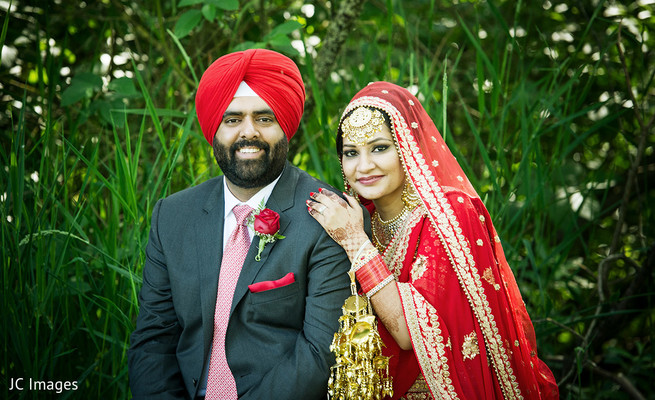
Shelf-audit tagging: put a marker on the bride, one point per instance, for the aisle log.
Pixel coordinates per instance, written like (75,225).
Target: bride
(452,317)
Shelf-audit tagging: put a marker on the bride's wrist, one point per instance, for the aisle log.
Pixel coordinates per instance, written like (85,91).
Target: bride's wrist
(361,249)
(369,268)
(356,246)
(364,254)
(372,273)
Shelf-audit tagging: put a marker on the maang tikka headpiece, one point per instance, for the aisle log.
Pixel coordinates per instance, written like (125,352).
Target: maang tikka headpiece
(363,123)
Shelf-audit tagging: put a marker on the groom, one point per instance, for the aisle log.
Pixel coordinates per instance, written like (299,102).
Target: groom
(236,301)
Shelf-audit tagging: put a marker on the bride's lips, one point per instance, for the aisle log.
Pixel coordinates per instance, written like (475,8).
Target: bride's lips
(369,180)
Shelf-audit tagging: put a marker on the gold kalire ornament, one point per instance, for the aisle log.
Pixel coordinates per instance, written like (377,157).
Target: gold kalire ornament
(361,371)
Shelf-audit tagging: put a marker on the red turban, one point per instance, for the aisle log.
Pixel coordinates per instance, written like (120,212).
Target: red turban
(273,76)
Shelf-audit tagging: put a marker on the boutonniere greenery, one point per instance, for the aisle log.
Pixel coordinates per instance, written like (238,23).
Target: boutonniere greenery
(266,224)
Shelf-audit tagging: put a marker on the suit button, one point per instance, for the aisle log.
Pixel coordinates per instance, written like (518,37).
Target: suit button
(195,381)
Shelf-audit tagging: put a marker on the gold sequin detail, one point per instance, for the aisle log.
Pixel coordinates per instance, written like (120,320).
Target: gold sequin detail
(419,385)
(417,396)
(488,276)
(470,347)
(419,267)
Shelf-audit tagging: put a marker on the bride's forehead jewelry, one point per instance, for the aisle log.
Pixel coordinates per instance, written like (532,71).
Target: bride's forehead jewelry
(361,125)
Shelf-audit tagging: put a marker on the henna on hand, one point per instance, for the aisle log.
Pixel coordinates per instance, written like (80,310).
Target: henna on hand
(344,224)
(333,196)
(339,234)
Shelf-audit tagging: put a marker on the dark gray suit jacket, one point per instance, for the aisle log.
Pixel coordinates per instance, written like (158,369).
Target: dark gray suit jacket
(277,342)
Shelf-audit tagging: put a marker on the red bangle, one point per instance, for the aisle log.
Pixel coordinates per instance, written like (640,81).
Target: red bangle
(372,273)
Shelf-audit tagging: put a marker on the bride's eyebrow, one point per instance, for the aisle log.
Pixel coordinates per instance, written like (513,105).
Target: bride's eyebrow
(372,141)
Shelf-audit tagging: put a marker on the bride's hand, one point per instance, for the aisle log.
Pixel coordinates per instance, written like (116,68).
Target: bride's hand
(343,221)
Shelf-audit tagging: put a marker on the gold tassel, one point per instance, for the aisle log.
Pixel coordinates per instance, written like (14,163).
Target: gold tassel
(361,371)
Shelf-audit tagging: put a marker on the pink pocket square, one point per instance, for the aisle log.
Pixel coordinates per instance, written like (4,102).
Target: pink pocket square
(268,285)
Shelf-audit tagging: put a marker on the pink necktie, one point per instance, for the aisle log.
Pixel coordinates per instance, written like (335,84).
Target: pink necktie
(220,381)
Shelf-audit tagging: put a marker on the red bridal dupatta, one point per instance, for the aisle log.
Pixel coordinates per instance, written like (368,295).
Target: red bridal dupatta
(471,334)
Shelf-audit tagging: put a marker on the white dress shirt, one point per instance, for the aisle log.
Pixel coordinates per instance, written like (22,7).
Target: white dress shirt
(230,221)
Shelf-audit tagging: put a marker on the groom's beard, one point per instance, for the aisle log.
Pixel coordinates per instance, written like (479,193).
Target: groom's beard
(254,173)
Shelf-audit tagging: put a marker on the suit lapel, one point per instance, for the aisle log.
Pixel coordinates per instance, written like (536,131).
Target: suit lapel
(210,252)
(280,201)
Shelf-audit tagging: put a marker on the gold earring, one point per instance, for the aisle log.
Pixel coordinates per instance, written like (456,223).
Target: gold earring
(409,196)
(347,187)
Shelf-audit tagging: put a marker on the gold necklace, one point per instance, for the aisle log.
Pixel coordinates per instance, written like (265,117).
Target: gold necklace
(388,228)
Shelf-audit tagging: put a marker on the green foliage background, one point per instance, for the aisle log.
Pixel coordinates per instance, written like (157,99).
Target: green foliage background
(548,106)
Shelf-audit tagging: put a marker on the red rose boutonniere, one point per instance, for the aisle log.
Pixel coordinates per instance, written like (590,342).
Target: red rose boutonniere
(266,224)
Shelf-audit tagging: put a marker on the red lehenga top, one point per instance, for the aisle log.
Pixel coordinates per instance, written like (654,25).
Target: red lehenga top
(472,337)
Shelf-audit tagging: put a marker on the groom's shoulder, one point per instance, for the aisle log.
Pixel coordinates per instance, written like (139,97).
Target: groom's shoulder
(195,194)
(305,181)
